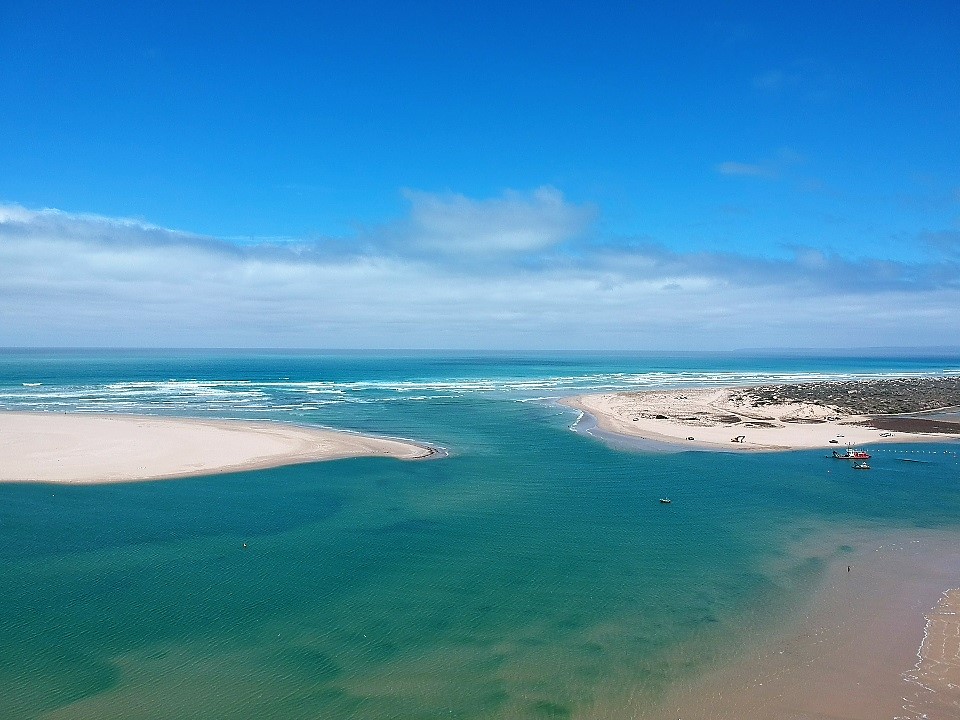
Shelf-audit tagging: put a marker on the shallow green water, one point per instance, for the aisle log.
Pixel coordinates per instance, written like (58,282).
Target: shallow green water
(531,574)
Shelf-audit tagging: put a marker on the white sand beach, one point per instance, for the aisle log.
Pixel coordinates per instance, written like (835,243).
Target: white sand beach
(726,419)
(86,449)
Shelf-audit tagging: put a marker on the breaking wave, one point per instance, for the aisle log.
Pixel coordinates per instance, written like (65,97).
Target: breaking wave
(241,396)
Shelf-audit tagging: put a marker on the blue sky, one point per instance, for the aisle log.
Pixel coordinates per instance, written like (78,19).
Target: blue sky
(516,175)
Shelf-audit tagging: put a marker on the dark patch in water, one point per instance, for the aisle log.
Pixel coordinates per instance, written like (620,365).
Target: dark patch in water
(593,649)
(96,517)
(544,708)
(314,664)
(491,663)
(570,622)
(494,699)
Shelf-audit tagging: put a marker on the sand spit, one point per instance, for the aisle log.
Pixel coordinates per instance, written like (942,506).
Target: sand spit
(781,417)
(86,449)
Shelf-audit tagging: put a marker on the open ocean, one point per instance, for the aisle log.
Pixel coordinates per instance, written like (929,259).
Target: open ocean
(530,574)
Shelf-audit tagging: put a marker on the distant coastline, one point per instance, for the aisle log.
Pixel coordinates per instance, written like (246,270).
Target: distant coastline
(782,417)
(76,448)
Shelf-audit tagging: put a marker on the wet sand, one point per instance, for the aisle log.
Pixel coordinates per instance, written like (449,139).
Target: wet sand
(87,449)
(852,652)
(936,676)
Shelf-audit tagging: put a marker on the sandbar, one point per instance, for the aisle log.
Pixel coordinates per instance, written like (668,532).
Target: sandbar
(76,448)
(787,417)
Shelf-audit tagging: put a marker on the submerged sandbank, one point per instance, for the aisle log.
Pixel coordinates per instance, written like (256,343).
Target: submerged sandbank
(785,417)
(87,449)
(851,651)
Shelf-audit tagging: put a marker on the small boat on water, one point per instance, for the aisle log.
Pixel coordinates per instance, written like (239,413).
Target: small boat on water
(851,454)
(861,466)
(665,501)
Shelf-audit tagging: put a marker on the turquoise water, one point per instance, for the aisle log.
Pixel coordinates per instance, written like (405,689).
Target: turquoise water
(530,574)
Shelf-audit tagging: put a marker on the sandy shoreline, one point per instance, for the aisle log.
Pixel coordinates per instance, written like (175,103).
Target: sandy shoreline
(852,652)
(88,449)
(936,676)
(737,419)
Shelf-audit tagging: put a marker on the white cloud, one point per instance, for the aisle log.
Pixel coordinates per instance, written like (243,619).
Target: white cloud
(81,280)
(515,223)
(771,168)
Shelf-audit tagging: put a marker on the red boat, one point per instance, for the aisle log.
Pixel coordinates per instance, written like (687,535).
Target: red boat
(851,454)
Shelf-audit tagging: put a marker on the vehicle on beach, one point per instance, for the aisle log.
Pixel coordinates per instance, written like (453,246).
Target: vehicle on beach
(861,466)
(852,454)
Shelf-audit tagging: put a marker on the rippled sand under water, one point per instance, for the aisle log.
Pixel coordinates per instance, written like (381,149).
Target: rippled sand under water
(846,654)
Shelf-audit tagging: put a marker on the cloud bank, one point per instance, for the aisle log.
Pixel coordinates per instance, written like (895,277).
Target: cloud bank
(520,271)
